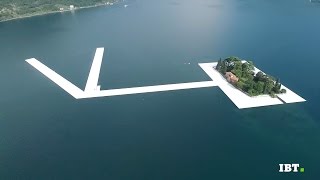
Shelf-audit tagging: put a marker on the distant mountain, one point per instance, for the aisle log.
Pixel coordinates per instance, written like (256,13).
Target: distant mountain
(11,9)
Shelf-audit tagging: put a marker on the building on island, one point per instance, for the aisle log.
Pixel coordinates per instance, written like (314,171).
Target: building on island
(71,7)
(231,77)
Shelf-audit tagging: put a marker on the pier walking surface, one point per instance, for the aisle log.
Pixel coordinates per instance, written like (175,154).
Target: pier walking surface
(92,89)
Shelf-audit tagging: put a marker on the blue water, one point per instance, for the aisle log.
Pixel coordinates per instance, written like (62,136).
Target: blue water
(188,134)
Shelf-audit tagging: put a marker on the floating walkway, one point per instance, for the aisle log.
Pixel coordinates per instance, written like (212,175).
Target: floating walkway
(56,78)
(93,78)
(92,89)
(149,89)
(240,99)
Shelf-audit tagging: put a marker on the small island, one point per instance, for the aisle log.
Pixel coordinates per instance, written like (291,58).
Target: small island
(242,75)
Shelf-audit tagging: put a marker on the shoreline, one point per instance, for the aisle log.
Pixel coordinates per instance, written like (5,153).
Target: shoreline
(54,12)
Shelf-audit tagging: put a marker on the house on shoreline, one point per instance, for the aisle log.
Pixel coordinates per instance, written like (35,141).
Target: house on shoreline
(231,78)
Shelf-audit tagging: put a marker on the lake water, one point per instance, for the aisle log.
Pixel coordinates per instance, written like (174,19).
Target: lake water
(188,134)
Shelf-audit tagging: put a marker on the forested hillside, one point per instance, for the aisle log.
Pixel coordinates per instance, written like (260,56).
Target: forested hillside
(19,8)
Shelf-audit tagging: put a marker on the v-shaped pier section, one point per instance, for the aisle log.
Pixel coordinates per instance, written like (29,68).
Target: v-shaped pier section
(92,88)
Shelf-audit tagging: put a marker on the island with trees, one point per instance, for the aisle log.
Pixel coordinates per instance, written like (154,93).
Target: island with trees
(242,75)
(13,9)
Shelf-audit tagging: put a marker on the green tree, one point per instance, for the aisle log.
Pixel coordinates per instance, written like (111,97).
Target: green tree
(240,85)
(252,92)
(246,69)
(237,72)
(276,90)
(268,86)
(277,85)
(218,67)
(237,69)
(259,87)
(223,69)
(248,85)
(283,91)
(259,76)
(272,94)
(250,65)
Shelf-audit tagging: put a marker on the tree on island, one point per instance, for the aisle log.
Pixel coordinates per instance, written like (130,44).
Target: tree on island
(283,91)
(249,82)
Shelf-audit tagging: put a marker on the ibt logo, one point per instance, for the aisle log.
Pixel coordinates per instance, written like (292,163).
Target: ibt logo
(290,168)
